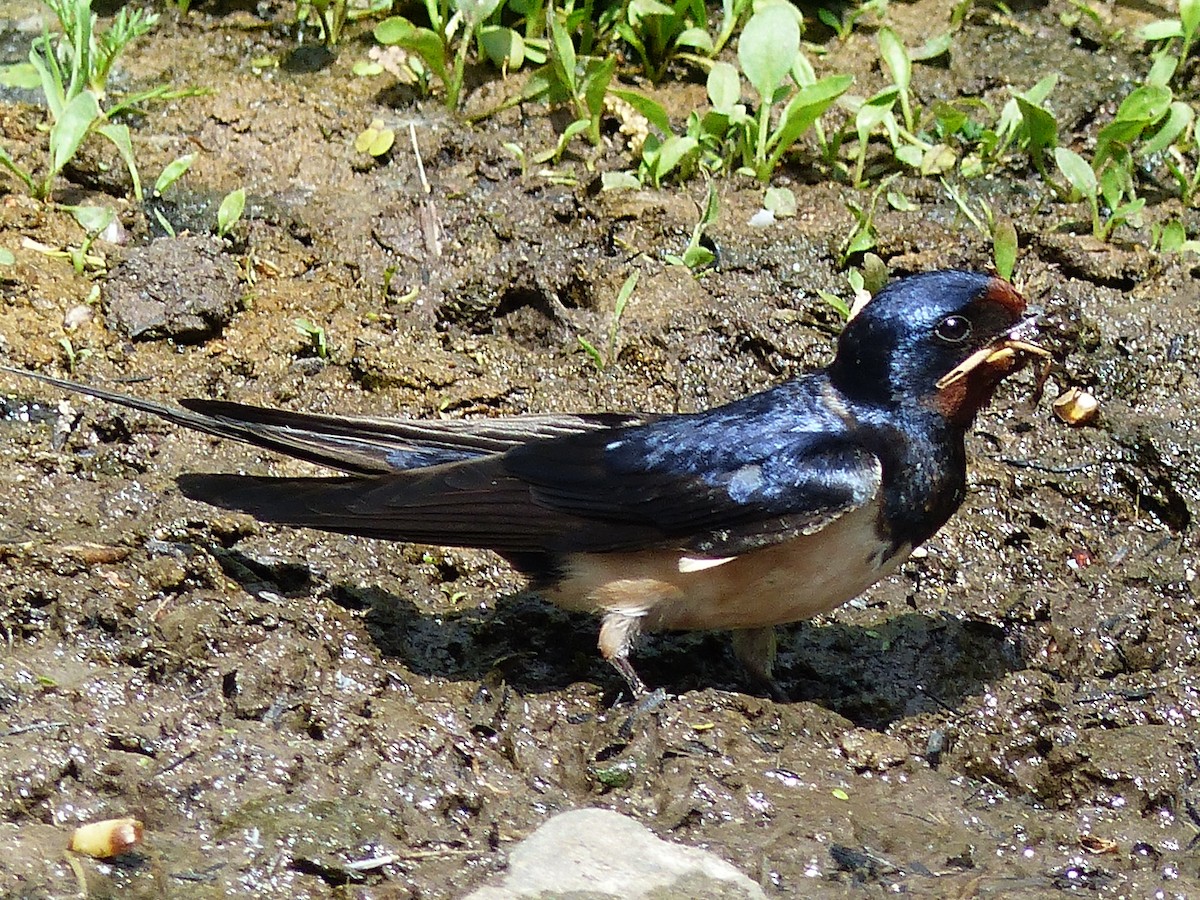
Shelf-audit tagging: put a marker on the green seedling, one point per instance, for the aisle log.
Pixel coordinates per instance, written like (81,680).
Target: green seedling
(1026,122)
(1175,37)
(659,31)
(728,136)
(443,47)
(769,55)
(578,82)
(843,27)
(1171,237)
(230,211)
(376,139)
(172,172)
(318,341)
(895,56)
(331,16)
(71,356)
(1004,248)
(863,236)
(696,256)
(733,13)
(603,361)
(73,68)
(860,292)
(1110,186)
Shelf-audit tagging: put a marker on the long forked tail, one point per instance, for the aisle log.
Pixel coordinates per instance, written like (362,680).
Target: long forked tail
(353,444)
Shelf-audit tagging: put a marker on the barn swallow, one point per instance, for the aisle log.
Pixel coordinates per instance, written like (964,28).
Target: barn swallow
(767,510)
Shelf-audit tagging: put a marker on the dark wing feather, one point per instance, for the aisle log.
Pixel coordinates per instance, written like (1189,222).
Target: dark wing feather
(718,484)
(358,445)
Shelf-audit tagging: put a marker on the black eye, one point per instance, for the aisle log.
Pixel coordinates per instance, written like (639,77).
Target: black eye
(954,329)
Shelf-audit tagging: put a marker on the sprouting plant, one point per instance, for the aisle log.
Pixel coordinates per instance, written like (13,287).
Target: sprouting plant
(331,17)
(1171,237)
(696,256)
(895,56)
(443,47)
(73,67)
(657,31)
(1026,122)
(873,269)
(375,140)
(318,341)
(603,361)
(863,236)
(1175,37)
(1113,189)
(733,12)
(769,53)
(72,356)
(580,82)
(843,26)
(1004,248)
(230,211)
(172,172)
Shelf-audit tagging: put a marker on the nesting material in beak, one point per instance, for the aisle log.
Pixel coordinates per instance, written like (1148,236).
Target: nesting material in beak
(1008,353)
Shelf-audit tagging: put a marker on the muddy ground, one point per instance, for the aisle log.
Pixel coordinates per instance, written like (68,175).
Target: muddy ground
(1016,714)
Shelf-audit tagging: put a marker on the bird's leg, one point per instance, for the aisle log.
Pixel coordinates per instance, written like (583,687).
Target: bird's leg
(755,649)
(618,634)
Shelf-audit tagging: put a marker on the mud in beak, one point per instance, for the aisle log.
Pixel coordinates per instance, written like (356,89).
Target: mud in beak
(1004,356)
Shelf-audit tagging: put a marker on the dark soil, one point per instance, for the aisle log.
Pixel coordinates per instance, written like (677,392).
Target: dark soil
(1016,714)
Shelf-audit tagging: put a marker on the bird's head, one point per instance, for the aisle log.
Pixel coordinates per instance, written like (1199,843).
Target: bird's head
(943,339)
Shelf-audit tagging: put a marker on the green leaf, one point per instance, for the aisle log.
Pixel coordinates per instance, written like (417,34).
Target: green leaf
(476,11)
(119,135)
(874,111)
(1004,248)
(1189,15)
(674,150)
(595,85)
(1173,236)
(20,75)
(72,127)
(563,53)
(1162,30)
(806,106)
(724,87)
(93,219)
(503,46)
(173,172)
(768,47)
(1077,171)
(1179,117)
(896,57)
(645,9)
(619,181)
(648,107)
(1162,70)
(393,30)
(6,257)
(1041,129)
(932,48)
(696,38)
(1145,104)
(230,210)
(400,32)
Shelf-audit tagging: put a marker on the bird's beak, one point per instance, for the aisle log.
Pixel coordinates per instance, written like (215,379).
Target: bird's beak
(1005,355)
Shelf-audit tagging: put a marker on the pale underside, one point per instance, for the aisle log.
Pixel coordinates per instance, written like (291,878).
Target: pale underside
(787,582)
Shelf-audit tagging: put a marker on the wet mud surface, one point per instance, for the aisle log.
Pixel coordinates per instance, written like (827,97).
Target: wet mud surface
(1016,713)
